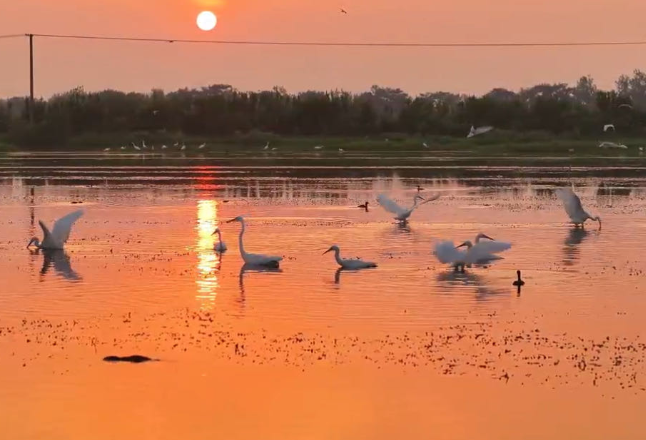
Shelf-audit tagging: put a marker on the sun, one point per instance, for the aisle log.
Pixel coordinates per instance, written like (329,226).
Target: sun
(206,20)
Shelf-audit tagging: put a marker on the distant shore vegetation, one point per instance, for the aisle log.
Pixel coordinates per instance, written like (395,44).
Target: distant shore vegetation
(539,113)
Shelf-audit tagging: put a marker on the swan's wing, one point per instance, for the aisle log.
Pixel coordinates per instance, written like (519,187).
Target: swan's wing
(63,226)
(571,202)
(430,199)
(446,252)
(493,246)
(389,205)
(46,232)
(481,130)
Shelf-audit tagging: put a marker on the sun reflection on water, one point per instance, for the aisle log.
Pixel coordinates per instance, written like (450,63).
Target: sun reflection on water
(208,261)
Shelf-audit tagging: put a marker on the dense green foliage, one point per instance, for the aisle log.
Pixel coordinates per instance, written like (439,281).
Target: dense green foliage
(221,110)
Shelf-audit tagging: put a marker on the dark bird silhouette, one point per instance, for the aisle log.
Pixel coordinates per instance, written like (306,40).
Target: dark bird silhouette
(419,188)
(364,206)
(519,282)
(343,11)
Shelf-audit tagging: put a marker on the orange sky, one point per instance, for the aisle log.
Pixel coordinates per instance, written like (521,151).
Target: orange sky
(63,64)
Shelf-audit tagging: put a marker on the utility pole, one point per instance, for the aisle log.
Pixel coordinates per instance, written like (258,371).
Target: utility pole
(31,78)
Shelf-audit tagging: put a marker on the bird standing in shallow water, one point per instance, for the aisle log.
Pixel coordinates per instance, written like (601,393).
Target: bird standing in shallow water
(574,208)
(254,259)
(220,246)
(364,206)
(347,263)
(58,236)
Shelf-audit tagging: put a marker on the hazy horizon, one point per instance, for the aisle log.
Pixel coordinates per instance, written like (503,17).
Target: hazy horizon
(61,65)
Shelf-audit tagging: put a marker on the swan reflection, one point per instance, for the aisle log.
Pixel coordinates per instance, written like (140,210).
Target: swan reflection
(571,248)
(61,263)
(450,279)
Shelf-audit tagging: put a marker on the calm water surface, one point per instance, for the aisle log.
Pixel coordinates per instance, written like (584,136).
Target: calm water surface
(409,348)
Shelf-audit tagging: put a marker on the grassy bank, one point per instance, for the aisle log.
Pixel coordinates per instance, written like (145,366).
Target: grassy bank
(494,144)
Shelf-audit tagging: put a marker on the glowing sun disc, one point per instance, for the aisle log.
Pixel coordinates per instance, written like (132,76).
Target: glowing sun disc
(206,20)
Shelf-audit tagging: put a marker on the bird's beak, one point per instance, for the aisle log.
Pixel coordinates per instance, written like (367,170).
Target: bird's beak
(463,244)
(487,237)
(30,243)
(232,220)
(327,251)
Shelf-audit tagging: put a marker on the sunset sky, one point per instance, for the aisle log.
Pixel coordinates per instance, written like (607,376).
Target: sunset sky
(96,65)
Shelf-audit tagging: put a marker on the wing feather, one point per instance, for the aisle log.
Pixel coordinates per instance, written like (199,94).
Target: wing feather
(389,205)
(63,226)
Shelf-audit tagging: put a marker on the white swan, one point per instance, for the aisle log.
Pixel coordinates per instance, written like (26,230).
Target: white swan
(56,239)
(574,208)
(220,246)
(480,253)
(254,259)
(402,214)
(349,264)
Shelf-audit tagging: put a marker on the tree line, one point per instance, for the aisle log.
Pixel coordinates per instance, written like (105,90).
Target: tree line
(221,110)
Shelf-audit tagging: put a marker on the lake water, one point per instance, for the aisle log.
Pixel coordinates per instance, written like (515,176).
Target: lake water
(409,349)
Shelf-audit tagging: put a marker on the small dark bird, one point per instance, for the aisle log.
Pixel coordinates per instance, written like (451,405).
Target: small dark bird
(343,11)
(364,206)
(519,282)
(419,188)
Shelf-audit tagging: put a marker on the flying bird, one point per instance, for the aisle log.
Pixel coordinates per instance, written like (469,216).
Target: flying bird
(349,263)
(574,208)
(201,146)
(478,131)
(612,145)
(56,239)
(343,11)
(254,259)
(401,213)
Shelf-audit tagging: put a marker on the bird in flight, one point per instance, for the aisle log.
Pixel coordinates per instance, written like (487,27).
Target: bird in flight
(343,11)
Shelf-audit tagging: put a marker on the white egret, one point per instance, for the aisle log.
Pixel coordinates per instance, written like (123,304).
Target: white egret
(106,149)
(266,147)
(491,246)
(612,145)
(254,259)
(341,151)
(176,144)
(447,253)
(201,146)
(477,131)
(220,246)
(319,147)
(274,149)
(574,208)
(123,148)
(402,214)
(425,145)
(143,145)
(164,147)
(183,147)
(609,127)
(349,264)
(56,239)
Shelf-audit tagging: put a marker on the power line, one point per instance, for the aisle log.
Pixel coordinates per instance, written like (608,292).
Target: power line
(2,37)
(337,44)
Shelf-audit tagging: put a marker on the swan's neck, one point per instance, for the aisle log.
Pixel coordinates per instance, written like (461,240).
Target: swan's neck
(337,256)
(241,242)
